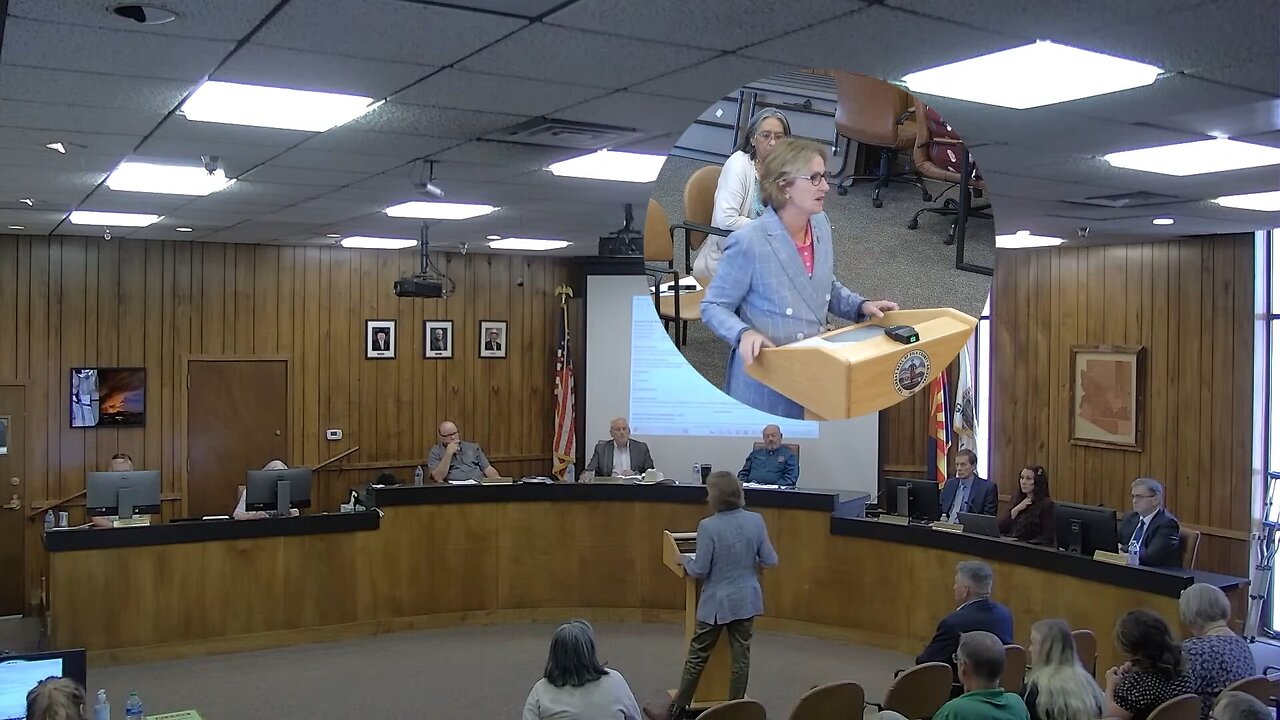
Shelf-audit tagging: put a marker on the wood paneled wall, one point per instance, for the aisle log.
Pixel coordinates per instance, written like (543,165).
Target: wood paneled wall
(72,301)
(904,433)
(1189,302)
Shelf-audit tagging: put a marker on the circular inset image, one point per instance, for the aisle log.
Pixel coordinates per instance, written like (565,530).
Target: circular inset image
(820,221)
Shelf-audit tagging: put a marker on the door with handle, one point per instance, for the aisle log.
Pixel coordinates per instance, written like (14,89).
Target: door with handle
(13,500)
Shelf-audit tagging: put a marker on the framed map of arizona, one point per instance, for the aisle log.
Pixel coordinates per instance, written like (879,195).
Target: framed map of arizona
(1107,384)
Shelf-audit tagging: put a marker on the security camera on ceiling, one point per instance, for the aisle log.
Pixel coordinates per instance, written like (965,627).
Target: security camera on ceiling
(210,163)
(427,186)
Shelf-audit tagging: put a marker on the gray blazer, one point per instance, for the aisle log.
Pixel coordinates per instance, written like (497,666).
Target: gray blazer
(761,284)
(601,462)
(731,546)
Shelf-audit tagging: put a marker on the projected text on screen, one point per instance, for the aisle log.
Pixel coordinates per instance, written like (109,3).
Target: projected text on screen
(669,397)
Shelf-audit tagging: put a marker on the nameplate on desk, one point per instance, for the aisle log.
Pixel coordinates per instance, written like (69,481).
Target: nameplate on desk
(131,522)
(181,715)
(947,527)
(1110,557)
(895,520)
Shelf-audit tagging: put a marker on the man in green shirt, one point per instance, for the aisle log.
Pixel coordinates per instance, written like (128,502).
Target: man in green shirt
(980,663)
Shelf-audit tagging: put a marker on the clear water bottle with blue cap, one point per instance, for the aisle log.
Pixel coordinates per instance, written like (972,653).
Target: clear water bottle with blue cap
(133,708)
(417,475)
(569,474)
(49,521)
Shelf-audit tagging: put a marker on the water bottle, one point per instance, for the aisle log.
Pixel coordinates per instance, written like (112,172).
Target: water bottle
(133,708)
(48,521)
(417,475)
(1133,555)
(568,474)
(697,473)
(102,709)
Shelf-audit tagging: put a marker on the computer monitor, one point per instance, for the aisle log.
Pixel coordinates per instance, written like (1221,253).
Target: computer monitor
(124,494)
(277,490)
(977,524)
(1085,529)
(20,673)
(921,495)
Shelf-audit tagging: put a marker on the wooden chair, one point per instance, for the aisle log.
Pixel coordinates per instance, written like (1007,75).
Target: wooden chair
(918,692)
(1087,649)
(1190,541)
(834,700)
(1257,686)
(678,308)
(735,710)
(1015,668)
(1183,707)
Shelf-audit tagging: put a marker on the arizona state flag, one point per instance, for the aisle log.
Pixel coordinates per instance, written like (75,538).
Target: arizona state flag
(939,429)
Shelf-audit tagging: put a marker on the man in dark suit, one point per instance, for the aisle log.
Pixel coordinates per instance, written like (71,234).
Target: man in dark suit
(1150,529)
(966,492)
(437,340)
(380,341)
(494,343)
(976,611)
(621,455)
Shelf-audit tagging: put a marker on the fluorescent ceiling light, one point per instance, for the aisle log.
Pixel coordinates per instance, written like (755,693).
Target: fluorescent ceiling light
(423,210)
(335,236)
(1196,158)
(377,243)
(261,106)
(527,244)
(167,179)
(1024,239)
(183,229)
(611,165)
(17,227)
(57,146)
(114,219)
(1043,73)
(1262,201)
(493,237)
(1162,221)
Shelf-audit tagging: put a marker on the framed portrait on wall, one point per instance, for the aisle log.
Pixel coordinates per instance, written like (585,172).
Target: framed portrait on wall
(1107,384)
(493,338)
(380,339)
(437,339)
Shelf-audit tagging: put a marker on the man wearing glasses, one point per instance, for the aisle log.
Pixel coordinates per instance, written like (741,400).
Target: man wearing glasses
(1150,532)
(454,460)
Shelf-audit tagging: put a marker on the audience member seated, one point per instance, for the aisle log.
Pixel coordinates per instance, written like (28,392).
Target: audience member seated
(980,663)
(622,456)
(738,200)
(575,685)
(1155,673)
(772,464)
(976,611)
(1058,686)
(1150,528)
(120,462)
(241,514)
(453,459)
(966,492)
(56,699)
(1030,514)
(1216,656)
(1236,705)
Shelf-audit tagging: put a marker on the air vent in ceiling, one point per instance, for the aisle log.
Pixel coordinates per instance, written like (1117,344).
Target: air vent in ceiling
(566,134)
(1126,200)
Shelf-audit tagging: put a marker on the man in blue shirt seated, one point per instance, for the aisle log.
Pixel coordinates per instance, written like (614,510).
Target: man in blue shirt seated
(772,464)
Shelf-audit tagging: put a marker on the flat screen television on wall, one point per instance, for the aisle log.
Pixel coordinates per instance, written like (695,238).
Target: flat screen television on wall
(108,397)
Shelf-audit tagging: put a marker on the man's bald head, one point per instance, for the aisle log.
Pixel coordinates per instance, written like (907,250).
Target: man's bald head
(448,432)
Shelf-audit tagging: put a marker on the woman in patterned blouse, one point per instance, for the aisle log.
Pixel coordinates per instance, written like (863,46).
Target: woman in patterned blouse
(1155,673)
(1216,656)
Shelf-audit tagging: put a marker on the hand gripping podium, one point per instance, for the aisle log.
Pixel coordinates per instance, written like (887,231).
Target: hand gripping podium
(713,685)
(857,370)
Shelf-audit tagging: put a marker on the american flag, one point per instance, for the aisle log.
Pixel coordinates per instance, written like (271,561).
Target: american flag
(939,428)
(563,444)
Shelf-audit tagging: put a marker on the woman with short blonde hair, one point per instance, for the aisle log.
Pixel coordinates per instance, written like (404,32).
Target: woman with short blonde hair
(724,492)
(56,699)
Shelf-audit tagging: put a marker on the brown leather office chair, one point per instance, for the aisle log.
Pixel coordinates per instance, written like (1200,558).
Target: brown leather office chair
(1190,541)
(918,692)
(939,154)
(743,709)
(1257,686)
(1087,649)
(872,112)
(1183,707)
(699,205)
(678,308)
(1015,668)
(833,700)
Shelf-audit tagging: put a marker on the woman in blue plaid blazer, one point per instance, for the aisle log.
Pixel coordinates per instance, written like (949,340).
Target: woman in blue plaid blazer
(776,281)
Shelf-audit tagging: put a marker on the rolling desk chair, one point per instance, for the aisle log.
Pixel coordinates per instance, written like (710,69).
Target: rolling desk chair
(872,112)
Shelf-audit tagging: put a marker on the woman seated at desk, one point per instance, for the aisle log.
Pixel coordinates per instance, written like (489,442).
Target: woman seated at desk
(120,462)
(1030,514)
(242,514)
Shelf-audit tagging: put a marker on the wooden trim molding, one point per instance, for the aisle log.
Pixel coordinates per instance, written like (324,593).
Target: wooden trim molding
(379,464)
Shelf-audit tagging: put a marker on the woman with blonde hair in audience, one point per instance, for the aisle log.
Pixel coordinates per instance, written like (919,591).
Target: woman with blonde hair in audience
(56,699)
(575,685)
(1216,656)
(1059,687)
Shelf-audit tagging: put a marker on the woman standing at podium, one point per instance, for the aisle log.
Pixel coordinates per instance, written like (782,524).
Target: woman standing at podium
(732,546)
(776,282)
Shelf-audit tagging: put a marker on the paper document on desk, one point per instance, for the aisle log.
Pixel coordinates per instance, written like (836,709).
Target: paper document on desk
(760,486)
(464,482)
(181,715)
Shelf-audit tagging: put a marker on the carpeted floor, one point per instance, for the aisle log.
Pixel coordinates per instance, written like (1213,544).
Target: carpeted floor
(876,254)
(478,672)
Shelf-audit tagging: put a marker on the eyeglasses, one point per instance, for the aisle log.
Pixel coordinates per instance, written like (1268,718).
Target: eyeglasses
(1140,496)
(444,435)
(770,137)
(817,178)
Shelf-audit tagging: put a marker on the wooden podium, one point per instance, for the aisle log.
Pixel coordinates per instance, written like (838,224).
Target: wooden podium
(713,685)
(857,370)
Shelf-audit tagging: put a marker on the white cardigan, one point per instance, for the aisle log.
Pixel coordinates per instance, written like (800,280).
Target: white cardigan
(736,192)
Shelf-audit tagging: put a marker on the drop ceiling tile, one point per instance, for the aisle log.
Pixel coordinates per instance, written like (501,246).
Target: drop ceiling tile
(318,212)
(48,116)
(18,161)
(256,64)
(275,174)
(1043,20)
(234,159)
(1168,96)
(90,89)
(523,8)
(1260,72)
(494,93)
(713,79)
(435,122)
(253,195)
(724,25)
(87,49)
(649,113)
(660,145)
(49,186)
(509,155)
(397,31)
(355,140)
(303,157)
(1237,121)
(108,200)
(97,143)
(581,58)
(224,20)
(177,127)
(32,221)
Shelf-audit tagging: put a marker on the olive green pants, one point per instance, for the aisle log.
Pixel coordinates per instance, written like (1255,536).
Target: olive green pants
(703,642)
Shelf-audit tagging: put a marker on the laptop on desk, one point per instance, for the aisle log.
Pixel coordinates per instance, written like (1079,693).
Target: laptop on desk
(977,524)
